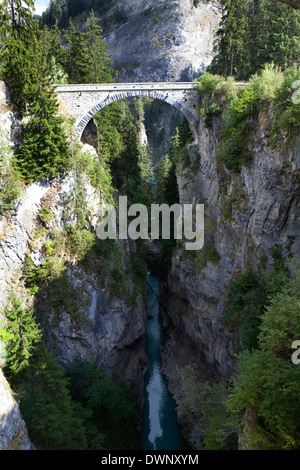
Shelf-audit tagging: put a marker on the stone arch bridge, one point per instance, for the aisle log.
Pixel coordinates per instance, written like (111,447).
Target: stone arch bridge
(84,101)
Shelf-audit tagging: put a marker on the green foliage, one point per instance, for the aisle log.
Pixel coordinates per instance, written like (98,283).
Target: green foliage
(287,111)
(203,411)
(231,37)
(4,333)
(208,84)
(250,294)
(162,175)
(119,147)
(10,179)
(45,152)
(24,335)
(86,59)
(215,92)
(269,386)
(239,107)
(137,272)
(99,60)
(252,34)
(112,405)
(248,297)
(16,15)
(208,253)
(267,383)
(237,128)
(61,10)
(47,407)
(56,287)
(45,214)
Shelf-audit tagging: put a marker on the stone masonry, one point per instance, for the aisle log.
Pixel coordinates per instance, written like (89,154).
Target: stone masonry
(84,101)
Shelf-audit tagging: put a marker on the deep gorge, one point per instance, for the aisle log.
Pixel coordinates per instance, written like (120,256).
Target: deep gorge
(214,326)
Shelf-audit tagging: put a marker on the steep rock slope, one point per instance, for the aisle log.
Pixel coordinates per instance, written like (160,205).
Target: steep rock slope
(107,330)
(13,433)
(265,210)
(161,40)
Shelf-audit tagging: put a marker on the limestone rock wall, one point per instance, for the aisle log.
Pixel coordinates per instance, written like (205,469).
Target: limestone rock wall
(110,332)
(265,210)
(162,40)
(13,433)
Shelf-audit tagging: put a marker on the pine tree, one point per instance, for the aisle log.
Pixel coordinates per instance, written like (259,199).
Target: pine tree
(278,34)
(45,150)
(163,172)
(26,335)
(47,406)
(253,33)
(100,61)
(231,37)
(52,43)
(77,56)
(16,14)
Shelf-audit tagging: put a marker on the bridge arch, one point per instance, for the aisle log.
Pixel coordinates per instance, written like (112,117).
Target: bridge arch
(112,97)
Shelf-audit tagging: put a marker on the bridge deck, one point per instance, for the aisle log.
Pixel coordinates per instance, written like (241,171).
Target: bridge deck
(127,86)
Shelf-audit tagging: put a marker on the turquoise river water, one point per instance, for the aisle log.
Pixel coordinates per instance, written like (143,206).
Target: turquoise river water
(160,428)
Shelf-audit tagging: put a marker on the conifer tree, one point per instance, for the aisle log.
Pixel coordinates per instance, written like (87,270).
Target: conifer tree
(274,31)
(231,35)
(52,43)
(16,14)
(45,150)
(100,61)
(47,406)
(163,172)
(26,335)
(77,59)
(253,33)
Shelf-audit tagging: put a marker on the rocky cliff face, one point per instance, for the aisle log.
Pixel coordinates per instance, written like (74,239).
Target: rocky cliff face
(264,210)
(110,331)
(161,40)
(13,433)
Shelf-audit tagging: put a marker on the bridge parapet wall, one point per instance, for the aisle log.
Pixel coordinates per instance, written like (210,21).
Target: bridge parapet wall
(84,101)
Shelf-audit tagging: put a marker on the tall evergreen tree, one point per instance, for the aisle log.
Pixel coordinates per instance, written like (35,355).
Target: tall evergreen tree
(253,33)
(16,14)
(47,406)
(45,150)
(77,59)
(26,335)
(231,37)
(52,43)
(100,61)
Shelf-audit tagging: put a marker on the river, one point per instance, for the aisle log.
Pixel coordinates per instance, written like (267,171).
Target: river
(160,428)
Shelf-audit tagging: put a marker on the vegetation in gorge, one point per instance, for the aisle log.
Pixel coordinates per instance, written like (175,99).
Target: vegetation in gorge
(267,382)
(10,176)
(262,398)
(77,408)
(239,106)
(253,33)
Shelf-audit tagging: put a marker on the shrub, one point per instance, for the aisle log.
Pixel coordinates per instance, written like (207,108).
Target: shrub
(10,177)
(45,215)
(287,112)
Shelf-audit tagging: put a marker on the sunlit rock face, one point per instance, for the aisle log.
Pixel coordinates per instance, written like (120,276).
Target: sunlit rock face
(265,211)
(13,433)
(161,40)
